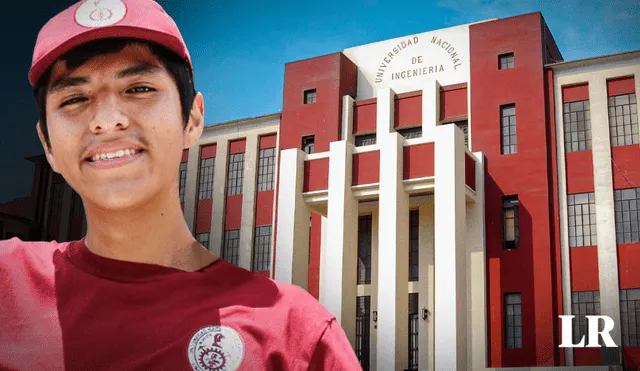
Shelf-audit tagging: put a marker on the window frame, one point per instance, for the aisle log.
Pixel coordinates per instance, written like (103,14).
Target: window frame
(231,246)
(310,96)
(515,306)
(235,174)
(266,169)
(365,234)
(308,145)
(364,140)
(512,133)
(262,248)
(620,112)
(506,61)
(572,122)
(206,171)
(511,202)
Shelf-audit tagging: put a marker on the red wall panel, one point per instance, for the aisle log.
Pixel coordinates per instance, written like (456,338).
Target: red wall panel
(365,168)
(625,166)
(203,215)
(237,146)
(587,356)
(418,161)
(316,175)
(631,357)
(625,85)
(575,93)
(185,155)
(529,269)
(364,117)
(264,208)
(208,151)
(453,102)
(268,141)
(408,110)
(333,76)
(579,172)
(233,212)
(470,171)
(629,267)
(584,268)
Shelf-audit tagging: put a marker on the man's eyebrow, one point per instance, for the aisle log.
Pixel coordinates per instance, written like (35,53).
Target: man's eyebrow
(140,69)
(66,82)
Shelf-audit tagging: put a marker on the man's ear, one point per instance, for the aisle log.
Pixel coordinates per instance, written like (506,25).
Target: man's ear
(46,147)
(193,130)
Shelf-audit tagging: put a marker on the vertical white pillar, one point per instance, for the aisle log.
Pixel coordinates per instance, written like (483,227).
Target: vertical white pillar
(475,245)
(292,237)
(393,256)
(338,284)
(373,329)
(65,213)
(191,187)
(219,197)
(347,118)
(430,108)
(605,219)
(248,202)
(450,261)
(425,296)
(385,113)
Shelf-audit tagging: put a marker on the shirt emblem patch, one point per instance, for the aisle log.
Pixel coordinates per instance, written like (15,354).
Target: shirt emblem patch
(215,348)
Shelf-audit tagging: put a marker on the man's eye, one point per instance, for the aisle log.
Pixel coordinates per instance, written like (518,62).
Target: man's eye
(72,101)
(140,89)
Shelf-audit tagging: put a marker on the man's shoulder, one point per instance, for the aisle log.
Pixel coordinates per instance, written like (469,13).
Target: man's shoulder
(15,252)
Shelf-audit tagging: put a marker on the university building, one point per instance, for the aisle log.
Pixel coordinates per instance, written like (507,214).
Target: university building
(446,195)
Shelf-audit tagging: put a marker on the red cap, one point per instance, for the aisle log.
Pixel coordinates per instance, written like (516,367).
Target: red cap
(99,19)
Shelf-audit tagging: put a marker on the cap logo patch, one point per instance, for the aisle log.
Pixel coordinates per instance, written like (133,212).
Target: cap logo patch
(100,13)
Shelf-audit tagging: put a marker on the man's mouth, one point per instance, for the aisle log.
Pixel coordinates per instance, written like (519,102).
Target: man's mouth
(106,156)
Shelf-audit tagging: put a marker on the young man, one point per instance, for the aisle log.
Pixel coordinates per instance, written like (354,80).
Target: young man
(114,85)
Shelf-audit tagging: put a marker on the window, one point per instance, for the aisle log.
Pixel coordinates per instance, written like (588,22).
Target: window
(310,96)
(205,179)
(577,126)
(414,326)
(505,61)
(586,303)
(582,219)
(182,179)
(363,308)
(364,249)
(57,191)
(230,244)
(510,223)
(308,144)
(203,238)
(262,249)
(365,140)
(623,120)
(630,316)
(235,174)
(464,126)
(411,133)
(513,320)
(414,243)
(266,169)
(627,210)
(508,129)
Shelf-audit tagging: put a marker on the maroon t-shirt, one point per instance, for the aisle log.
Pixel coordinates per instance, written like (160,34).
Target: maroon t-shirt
(64,308)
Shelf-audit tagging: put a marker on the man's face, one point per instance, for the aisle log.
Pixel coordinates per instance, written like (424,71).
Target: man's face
(116,128)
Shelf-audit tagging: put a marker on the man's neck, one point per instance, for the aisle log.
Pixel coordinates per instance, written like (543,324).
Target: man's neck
(155,233)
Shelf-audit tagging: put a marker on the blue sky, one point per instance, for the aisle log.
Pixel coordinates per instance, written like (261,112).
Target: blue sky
(240,48)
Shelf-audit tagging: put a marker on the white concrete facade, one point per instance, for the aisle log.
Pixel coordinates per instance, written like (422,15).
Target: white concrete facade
(594,72)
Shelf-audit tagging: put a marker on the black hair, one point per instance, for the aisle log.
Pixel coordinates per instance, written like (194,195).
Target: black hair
(177,67)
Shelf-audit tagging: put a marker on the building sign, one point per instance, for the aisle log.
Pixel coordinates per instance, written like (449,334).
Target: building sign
(405,64)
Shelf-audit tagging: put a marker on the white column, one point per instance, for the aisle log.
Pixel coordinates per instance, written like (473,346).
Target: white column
(292,237)
(385,113)
(430,108)
(347,118)
(219,197)
(191,187)
(393,256)
(65,213)
(373,329)
(450,261)
(425,296)
(605,219)
(338,279)
(248,202)
(475,245)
